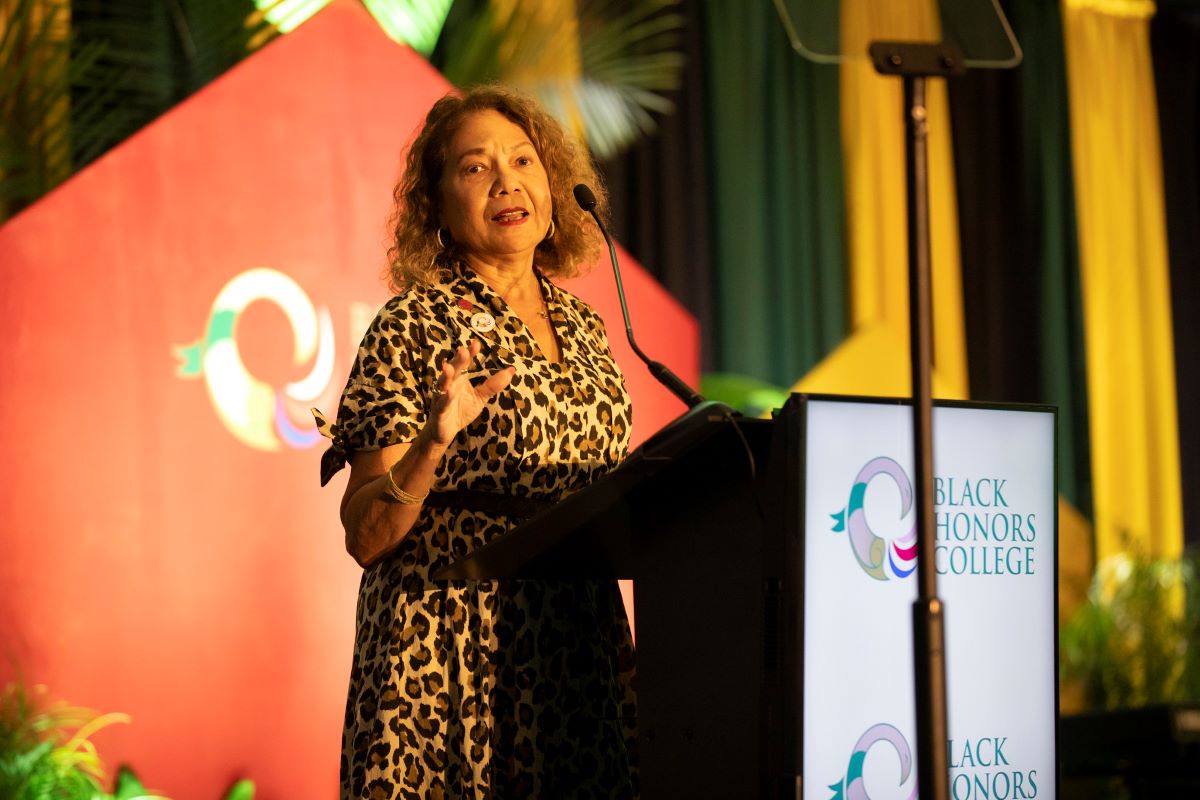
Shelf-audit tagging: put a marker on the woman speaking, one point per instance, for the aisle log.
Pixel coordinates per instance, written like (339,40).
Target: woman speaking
(481,393)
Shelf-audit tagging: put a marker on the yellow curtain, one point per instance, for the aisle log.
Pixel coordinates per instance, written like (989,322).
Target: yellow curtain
(874,360)
(1124,277)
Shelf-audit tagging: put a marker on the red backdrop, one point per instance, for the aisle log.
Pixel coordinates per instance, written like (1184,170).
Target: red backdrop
(165,551)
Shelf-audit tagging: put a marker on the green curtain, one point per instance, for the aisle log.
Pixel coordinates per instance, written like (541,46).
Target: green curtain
(1050,224)
(776,197)
(1021,292)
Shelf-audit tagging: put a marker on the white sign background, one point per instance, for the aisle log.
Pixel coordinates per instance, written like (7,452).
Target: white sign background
(1000,629)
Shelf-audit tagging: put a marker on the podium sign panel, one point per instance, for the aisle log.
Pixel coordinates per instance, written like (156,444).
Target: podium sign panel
(996,534)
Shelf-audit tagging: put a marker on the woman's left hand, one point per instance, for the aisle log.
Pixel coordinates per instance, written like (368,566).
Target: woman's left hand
(458,402)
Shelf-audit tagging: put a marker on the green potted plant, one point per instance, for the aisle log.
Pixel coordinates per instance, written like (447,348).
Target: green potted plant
(46,752)
(1131,653)
(1135,641)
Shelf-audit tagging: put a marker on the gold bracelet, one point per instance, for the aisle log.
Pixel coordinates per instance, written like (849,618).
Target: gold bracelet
(399,494)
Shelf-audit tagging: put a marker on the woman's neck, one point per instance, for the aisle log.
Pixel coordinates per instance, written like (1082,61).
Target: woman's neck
(515,280)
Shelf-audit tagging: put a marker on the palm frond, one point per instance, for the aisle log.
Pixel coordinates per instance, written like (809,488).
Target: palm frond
(286,15)
(472,52)
(629,60)
(36,73)
(627,57)
(416,23)
(45,749)
(79,76)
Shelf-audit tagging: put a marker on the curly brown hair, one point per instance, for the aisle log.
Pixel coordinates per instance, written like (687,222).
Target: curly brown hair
(416,255)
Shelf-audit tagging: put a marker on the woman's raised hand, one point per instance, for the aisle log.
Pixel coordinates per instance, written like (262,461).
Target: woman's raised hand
(457,402)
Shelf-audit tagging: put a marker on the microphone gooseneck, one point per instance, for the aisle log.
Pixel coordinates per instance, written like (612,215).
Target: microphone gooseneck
(587,201)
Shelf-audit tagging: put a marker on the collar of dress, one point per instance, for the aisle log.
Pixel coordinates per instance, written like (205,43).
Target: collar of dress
(468,295)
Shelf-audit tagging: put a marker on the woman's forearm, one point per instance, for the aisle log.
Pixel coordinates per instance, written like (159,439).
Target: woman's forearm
(375,522)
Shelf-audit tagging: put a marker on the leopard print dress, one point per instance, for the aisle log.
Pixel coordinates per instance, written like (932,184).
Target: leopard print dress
(505,689)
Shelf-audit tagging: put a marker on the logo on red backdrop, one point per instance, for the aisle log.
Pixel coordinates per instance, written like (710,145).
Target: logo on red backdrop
(257,413)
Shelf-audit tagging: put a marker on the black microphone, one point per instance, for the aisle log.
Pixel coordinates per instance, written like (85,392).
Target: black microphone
(587,201)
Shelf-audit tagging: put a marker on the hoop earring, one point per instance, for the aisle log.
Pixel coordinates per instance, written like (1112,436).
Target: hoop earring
(440,252)
(550,233)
